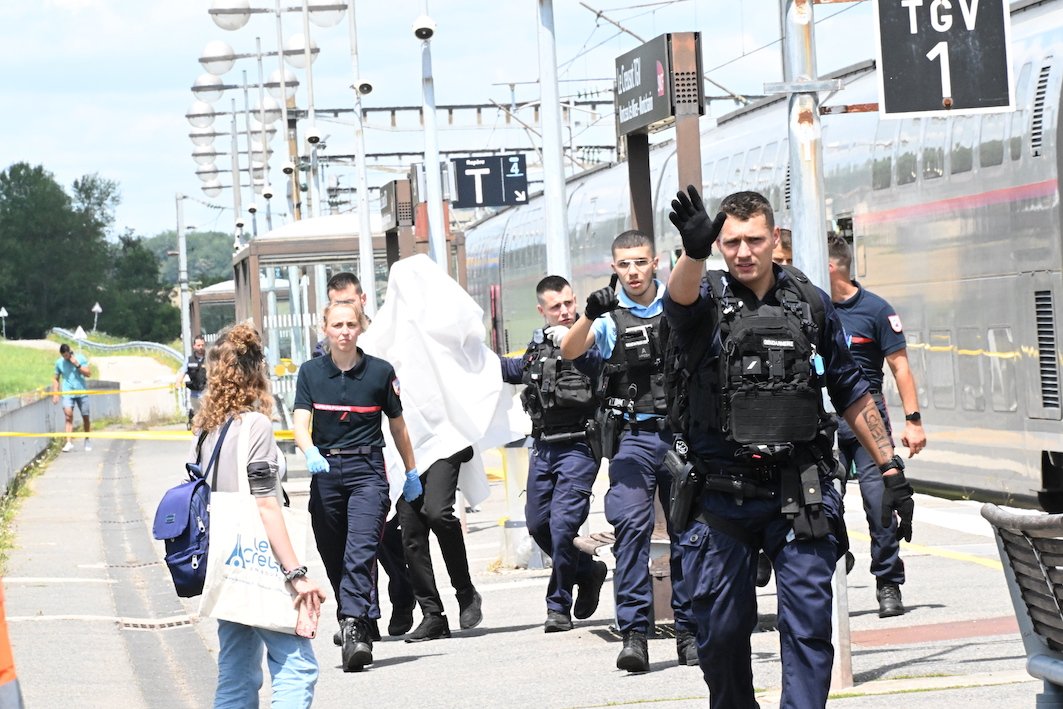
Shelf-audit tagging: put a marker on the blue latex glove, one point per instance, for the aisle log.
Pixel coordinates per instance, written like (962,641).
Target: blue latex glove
(412,489)
(315,462)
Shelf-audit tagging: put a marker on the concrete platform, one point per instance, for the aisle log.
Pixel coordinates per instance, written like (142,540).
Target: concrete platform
(95,623)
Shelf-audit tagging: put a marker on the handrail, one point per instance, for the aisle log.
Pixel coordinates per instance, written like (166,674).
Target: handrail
(134,345)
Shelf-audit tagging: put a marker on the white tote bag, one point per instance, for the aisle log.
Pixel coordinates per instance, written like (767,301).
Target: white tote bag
(244,581)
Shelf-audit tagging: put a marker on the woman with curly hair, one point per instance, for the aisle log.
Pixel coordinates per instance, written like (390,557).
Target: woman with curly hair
(238,389)
(344,394)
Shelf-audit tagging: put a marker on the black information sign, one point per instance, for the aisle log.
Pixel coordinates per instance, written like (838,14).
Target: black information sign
(644,86)
(939,56)
(494,181)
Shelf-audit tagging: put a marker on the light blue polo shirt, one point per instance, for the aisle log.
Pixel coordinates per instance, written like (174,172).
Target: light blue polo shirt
(70,378)
(604,328)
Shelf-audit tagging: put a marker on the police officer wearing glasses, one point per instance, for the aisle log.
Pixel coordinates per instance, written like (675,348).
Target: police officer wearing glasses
(760,449)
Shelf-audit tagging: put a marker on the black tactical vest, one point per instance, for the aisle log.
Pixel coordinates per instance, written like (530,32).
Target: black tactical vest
(558,397)
(632,378)
(197,374)
(759,383)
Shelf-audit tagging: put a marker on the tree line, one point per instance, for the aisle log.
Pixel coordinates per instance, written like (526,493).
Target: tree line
(58,256)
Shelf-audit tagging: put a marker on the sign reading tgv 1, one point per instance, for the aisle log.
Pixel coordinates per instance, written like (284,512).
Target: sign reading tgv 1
(937,56)
(493,181)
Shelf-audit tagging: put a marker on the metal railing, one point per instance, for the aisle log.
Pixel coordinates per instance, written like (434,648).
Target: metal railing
(137,345)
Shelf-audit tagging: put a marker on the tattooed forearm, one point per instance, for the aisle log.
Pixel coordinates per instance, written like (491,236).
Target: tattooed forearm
(876,430)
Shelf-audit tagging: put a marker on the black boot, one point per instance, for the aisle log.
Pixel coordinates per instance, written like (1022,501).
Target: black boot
(889,600)
(401,621)
(590,590)
(433,626)
(357,646)
(470,614)
(634,657)
(686,647)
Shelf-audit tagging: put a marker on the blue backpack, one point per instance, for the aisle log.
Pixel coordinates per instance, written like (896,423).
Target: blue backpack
(183,520)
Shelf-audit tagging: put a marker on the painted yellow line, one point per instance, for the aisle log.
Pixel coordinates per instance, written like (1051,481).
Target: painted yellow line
(938,552)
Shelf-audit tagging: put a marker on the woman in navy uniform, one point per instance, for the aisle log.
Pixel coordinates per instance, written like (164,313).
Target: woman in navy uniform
(344,394)
(719,547)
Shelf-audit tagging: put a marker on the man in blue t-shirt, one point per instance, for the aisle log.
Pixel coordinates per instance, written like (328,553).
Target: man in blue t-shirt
(875,335)
(70,372)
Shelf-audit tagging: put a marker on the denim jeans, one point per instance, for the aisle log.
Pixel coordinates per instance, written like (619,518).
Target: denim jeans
(291,660)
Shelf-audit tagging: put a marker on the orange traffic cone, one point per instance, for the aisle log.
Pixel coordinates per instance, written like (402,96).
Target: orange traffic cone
(10,692)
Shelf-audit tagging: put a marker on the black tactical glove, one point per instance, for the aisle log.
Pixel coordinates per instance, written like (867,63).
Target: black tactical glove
(602,300)
(897,497)
(690,218)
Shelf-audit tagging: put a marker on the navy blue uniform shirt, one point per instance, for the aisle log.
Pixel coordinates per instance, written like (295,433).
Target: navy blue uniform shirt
(843,379)
(346,406)
(590,362)
(872,331)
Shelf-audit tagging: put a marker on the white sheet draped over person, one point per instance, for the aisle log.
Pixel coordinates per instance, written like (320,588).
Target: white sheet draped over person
(432,331)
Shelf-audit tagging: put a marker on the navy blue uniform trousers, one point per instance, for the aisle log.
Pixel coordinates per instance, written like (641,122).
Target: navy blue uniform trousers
(720,572)
(348,505)
(434,511)
(886,563)
(560,478)
(635,473)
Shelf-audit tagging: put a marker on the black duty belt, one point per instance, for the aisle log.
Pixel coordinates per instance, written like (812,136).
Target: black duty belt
(742,481)
(656,424)
(360,450)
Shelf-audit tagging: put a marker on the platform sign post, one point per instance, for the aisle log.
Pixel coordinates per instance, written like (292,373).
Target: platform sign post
(943,56)
(659,85)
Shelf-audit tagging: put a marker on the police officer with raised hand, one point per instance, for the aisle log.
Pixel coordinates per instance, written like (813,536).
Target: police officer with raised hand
(559,398)
(875,335)
(757,434)
(634,435)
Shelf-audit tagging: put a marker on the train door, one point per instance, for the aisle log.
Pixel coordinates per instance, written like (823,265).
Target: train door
(495,304)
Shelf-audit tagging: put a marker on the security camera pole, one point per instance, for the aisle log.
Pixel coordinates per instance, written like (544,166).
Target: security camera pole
(437,235)
(366,269)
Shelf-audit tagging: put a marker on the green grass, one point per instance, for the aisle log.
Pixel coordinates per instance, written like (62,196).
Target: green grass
(25,369)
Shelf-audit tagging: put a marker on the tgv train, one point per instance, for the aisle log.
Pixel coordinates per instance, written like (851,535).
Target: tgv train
(955,221)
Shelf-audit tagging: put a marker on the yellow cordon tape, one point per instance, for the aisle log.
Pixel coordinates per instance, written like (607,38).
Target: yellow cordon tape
(42,393)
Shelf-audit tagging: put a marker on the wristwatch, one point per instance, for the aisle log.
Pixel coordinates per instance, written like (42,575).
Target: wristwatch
(894,463)
(914,417)
(295,573)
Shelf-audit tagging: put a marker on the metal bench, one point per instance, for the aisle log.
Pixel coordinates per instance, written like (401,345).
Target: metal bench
(1031,549)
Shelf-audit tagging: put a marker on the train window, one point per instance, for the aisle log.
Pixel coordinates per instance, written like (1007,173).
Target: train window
(906,150)
(719,182)
(882,157)
(1002,357)
(941,376)
(734,177)
(917,363)
(752,168)
(766,174)
(963,136)
(991,150)
(1018,118)
(969,356)
(934,148)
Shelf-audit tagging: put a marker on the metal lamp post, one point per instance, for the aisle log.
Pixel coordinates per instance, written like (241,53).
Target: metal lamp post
(96,310)
(3,320)
(182,278)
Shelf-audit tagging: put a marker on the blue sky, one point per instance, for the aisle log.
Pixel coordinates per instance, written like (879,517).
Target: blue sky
(103,85)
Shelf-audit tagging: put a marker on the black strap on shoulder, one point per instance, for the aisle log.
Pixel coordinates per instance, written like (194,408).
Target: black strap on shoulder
(214,455)
(809,294)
